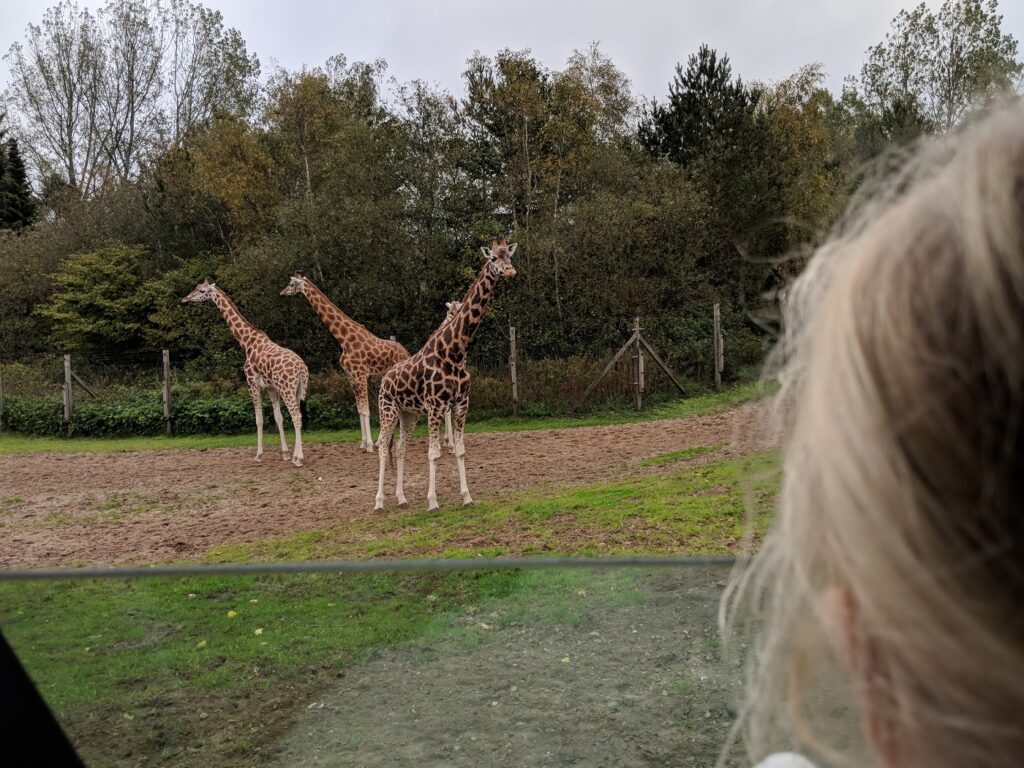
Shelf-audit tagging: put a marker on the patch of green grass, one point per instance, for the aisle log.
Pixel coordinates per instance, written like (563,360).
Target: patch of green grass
(670,458)
(126,651)
(699,510)
(149,657)
(692,406)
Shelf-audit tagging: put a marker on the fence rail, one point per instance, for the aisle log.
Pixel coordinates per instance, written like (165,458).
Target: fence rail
(364,566)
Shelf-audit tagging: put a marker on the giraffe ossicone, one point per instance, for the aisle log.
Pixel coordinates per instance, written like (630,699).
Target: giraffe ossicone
(436,380)
(362,354)
(268,366)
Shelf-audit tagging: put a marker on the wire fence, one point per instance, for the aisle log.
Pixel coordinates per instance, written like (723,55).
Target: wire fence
(363,566)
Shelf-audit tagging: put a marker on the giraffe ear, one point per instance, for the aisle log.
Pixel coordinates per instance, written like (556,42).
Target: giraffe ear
(512,248)
(485,252)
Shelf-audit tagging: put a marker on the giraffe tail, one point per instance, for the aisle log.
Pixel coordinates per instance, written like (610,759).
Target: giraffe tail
(300,393)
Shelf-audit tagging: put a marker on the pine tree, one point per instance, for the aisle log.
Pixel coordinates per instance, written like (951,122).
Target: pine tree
(706,110)
(6,201)
(20,203)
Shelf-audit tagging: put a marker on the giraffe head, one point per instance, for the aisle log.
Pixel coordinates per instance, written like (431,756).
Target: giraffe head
(297,284)
(499,258)
(205,291)
(453,308)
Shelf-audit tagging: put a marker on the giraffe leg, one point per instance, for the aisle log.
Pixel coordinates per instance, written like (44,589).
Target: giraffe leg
(461,410)
(388,419)
(434,418)
(361,390)
(291,402)
(407,421)
(275,400)
(257,404)
(449,440)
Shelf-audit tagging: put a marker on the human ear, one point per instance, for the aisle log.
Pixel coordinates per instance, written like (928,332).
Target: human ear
(865,668)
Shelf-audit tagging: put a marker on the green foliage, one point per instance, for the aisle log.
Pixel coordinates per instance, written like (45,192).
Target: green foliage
(707,111)
(100,302)
(17,203)
(144,416)
(934,68)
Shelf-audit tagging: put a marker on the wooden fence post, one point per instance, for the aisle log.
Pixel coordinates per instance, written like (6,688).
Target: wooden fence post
(638,385)
(69,403)
(392,337)
(167,390)
(718,361)
(512,369)
(1,400)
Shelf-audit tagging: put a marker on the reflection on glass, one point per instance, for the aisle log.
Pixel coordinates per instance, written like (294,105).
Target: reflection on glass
(546,667)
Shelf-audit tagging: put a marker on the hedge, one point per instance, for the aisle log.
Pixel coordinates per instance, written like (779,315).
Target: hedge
(145,416)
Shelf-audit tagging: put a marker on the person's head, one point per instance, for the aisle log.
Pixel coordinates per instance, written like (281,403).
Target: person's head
(898,546)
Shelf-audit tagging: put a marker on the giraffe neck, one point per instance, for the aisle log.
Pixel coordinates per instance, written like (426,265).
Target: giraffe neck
(243,331)
(341,326)
(474,304)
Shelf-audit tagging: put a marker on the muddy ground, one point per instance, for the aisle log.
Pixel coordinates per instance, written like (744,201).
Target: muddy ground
(146,507)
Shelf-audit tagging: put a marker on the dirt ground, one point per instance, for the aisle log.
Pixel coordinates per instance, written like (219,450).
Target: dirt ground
(145,507)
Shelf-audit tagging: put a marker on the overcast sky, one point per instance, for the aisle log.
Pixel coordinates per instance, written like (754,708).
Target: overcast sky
(431,39)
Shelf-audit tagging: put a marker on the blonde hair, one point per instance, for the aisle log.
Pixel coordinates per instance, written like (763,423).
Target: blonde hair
(902,393)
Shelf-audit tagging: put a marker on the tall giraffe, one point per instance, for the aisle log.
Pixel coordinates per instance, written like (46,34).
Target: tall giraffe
(436,379)
(268,366)
(362,354)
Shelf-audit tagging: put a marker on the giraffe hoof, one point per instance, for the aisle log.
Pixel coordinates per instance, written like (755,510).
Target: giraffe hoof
(259,459)
(403,504)
(378,507)
(433,507)
(286,457)
(467,502)
(297,462)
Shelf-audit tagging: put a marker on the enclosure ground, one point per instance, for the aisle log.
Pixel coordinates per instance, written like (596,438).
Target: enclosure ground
(303,670)
(145,507)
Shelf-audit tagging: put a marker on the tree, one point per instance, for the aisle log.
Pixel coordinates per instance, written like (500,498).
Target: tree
(131,85)
(100,302)
(207,68)
(17,204)
(933,69)
(95,95)
(706,111)
(56,88)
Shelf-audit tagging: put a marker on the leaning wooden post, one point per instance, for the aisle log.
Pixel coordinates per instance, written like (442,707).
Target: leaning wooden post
(718,359)
(167,391)
(69,404)
(512,369)
(637,366)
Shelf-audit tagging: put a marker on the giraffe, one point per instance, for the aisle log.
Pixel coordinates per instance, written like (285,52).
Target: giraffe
(362,354)
(436,379)
(267,366)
